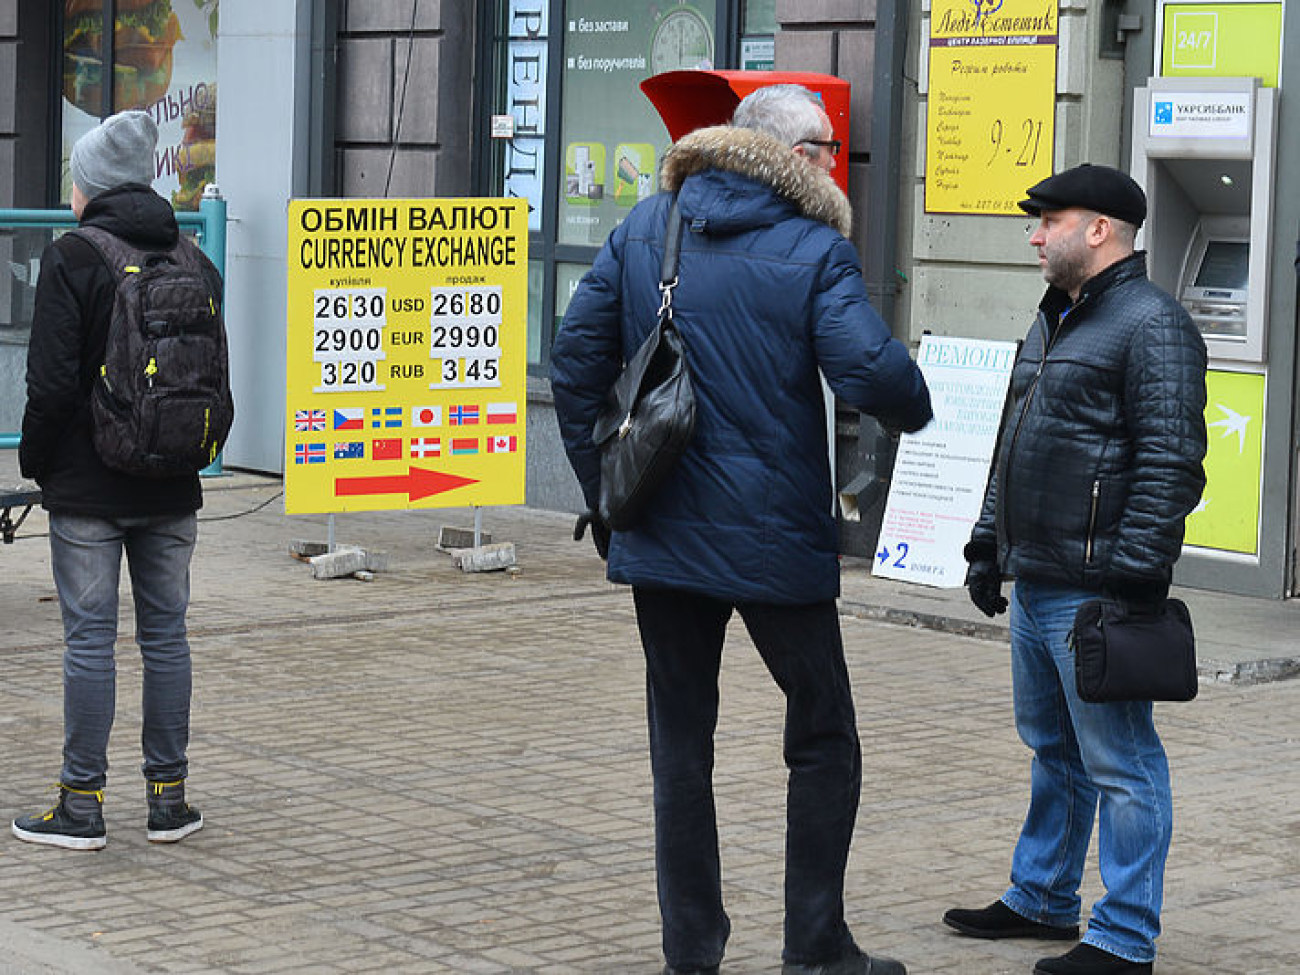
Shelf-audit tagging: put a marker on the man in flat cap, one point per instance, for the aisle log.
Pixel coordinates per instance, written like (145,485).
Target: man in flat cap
(1099,464)
(97,513)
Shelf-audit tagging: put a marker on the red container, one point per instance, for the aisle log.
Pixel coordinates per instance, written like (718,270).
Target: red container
(690,100)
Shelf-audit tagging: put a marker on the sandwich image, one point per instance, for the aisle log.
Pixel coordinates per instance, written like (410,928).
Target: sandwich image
(196,157)
(144,33)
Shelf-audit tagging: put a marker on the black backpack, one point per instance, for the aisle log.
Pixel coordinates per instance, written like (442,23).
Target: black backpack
(161,405)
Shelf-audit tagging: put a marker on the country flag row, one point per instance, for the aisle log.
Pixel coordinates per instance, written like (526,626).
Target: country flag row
(393,417)
(396,448)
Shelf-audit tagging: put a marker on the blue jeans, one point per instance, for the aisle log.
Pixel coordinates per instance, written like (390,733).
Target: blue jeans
(86,555)
(682,635)
(1086,757)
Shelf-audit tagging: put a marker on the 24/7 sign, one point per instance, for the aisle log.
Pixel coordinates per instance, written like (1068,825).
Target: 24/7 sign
(407,354)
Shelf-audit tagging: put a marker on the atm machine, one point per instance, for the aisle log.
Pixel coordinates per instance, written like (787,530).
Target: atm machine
(1204,150)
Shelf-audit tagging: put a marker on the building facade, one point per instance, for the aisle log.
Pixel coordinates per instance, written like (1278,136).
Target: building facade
(539,99)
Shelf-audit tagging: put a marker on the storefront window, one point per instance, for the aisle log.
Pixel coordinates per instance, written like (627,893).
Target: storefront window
(759,17)
(164,61)
(536,282)
(567,277)
(610,135)
(757,37)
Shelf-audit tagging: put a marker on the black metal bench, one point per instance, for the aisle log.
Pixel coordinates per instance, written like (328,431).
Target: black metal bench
(11,498)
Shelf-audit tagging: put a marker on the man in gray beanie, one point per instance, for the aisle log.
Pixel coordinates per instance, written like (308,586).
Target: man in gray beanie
(117,151)
(97,512)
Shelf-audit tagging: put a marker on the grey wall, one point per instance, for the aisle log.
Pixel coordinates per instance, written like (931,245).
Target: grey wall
(976,276)
(405,87)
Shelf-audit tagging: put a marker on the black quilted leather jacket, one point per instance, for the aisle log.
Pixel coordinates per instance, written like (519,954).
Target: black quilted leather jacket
(1099,461)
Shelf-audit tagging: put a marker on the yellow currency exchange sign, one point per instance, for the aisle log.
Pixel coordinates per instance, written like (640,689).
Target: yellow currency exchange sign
(407,354)
(992,103)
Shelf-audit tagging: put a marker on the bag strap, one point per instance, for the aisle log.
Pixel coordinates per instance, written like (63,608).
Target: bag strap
(668,270)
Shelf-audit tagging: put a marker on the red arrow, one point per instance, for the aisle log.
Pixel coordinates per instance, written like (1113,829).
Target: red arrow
(417,483)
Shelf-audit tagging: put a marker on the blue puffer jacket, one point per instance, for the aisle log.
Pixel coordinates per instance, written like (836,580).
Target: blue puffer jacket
(770,292)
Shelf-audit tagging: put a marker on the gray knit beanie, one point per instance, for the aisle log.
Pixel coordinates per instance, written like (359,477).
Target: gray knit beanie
(118,150)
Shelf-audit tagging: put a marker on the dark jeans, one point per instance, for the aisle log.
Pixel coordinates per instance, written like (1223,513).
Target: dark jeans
(682,635)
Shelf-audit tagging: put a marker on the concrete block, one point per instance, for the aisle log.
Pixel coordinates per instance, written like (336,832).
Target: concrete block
(334,565)
(393,15)
(855,64)
(451,170)
(366,103)
(485,558)
(860,197)
(972,238)
(418,118)
(810,50)
(304,547)
(7,195)
(365,171)
(8,82)
(346,561)
(452,538)
(974,302)
(824,11)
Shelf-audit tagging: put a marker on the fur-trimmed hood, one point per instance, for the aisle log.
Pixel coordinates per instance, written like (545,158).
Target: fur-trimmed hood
(760,157)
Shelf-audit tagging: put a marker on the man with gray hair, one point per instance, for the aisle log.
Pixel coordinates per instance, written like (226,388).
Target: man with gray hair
(793,115)
(97,512)
(769,297)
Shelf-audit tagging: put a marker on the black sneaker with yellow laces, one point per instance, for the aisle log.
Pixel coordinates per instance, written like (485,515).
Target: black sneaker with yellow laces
(75,823)
(171,818)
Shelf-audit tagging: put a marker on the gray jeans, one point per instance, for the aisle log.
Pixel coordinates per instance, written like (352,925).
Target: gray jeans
(86,555)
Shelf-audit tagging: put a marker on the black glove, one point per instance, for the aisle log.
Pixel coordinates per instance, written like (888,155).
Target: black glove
(599,532)
(1139,597)
(984,583)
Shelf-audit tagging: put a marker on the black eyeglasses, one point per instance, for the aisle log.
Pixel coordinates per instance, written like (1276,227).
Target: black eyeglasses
(832,144)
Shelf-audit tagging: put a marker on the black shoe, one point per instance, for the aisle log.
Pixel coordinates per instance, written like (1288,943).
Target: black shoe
(76,823)
(858,963)
(171,818)
(711,970)
(999,921)
(1091,960)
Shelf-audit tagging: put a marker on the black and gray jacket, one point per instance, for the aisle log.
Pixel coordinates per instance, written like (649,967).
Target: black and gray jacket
(1099,461)
(74,302)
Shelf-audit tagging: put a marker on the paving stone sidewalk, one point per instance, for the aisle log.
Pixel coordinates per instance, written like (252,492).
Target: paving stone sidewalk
(440,772)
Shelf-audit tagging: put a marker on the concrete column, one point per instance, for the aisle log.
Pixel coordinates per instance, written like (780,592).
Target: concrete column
(263,72)
(405,86)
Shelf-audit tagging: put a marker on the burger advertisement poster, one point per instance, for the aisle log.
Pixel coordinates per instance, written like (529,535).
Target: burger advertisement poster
(164,61)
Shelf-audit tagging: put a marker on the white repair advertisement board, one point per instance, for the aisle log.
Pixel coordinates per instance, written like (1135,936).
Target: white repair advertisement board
(940,472)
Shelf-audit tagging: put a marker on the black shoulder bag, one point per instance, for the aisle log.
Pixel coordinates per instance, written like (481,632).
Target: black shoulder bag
(649,414)
(1124,656)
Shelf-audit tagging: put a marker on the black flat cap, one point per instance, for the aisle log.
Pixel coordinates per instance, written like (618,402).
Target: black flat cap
(1097,188)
